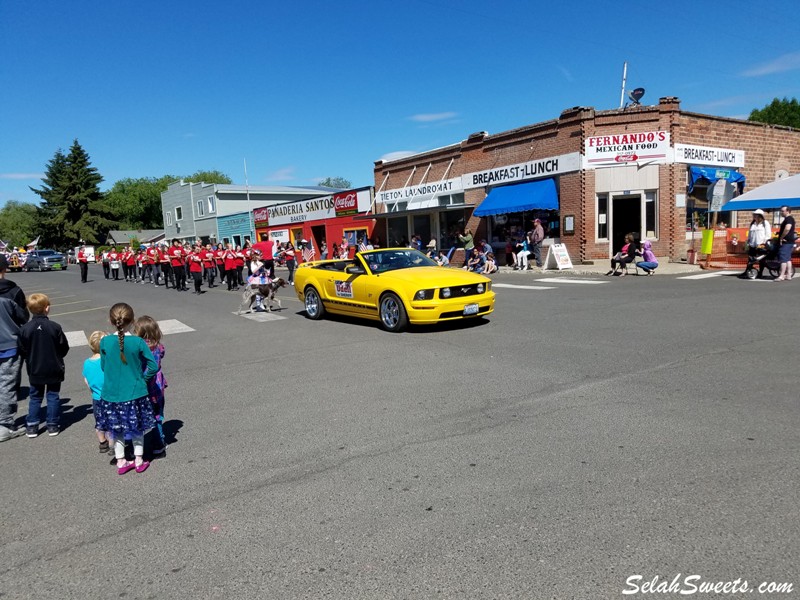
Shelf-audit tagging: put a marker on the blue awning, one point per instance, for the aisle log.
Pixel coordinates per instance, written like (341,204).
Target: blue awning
(713,174)
(540,194)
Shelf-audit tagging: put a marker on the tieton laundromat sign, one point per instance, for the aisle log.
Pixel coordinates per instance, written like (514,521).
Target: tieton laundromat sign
(419,195)
(619,149)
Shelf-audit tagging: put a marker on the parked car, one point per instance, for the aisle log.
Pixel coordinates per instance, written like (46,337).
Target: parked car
(45,260)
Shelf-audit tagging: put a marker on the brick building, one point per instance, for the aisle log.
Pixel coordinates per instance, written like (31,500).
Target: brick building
(590,176)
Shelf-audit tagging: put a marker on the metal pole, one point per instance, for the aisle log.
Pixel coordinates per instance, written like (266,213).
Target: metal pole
(250,217)
(624,77)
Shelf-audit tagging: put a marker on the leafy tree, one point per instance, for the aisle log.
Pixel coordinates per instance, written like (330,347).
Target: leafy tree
(779,112)
(336,182)
(18,222)
(208,177)
(137,202)
(73,207)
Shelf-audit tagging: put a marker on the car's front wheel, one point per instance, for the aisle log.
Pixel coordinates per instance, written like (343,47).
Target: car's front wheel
(393,313)
(314,307)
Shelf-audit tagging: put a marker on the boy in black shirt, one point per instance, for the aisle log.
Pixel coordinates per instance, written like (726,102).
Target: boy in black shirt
(43,345)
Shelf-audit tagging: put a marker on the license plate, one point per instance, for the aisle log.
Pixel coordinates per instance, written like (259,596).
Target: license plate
(56,265)
(471,309)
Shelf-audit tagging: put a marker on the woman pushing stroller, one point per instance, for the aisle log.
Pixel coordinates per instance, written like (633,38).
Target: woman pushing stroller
(757,238)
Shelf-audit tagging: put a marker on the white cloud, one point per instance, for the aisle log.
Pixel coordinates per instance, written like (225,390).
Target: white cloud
(397,155)
(786,62)
(284,174)
(432,117)
(566,73)
(21,175)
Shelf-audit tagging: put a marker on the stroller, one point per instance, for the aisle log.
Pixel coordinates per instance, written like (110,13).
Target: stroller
(764,257)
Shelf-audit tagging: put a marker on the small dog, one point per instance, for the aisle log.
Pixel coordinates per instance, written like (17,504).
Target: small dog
(266,291)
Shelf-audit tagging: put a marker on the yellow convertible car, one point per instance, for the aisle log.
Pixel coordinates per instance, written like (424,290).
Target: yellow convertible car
(395,286)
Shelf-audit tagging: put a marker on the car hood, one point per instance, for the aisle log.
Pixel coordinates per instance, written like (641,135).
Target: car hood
(434,276)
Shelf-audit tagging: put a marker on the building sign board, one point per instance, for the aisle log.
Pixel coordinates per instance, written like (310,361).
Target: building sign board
(314,209)
(418,194)
(651,147)
(533,169)
(705,155)
(261,216)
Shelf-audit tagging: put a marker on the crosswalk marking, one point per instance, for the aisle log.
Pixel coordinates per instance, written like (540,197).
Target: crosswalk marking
(709,275)
(168,326)
(173,326)
(522,287)
(76,338)
(261,317)
(572,280)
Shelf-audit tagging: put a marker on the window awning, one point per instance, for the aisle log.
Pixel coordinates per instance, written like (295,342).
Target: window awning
(540,194)
(714,174)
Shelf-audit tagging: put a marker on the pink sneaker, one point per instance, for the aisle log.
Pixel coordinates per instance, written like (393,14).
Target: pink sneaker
(128,466)
(142,467)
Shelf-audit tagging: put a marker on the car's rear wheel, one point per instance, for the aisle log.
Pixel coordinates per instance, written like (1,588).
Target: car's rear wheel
(393,313)
(314,307)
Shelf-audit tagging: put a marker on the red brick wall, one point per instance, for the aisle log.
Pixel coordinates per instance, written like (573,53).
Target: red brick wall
(767,149)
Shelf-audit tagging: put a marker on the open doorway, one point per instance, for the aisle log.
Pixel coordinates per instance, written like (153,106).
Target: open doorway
(317,237)
(626,218)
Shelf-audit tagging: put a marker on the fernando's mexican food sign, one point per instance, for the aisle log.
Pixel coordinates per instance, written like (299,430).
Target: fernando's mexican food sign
(618,149)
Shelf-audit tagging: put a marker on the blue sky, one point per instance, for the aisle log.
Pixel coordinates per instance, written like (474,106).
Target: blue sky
(308,90)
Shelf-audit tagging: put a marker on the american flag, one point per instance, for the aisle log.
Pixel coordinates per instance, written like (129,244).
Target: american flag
(308,252)
(362,247)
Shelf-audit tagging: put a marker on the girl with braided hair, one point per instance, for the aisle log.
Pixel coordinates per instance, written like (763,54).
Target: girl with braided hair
(125,409)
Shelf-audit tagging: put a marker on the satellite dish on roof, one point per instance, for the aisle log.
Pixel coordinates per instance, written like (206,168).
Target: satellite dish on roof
(636,95)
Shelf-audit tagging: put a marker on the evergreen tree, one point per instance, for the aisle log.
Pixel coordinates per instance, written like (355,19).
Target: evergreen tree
(51,194)
(73,207)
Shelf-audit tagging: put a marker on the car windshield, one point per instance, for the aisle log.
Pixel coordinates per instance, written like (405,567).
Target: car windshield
(381,261)
(46,252)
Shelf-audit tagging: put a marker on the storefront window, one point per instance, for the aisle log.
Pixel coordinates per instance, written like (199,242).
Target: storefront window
(602,216)
(451,223)
(451,199)
(697,209)
(514,226)
(650,212)
(397,232)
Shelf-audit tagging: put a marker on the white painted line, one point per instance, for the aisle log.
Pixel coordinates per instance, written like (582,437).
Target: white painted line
(261,317)
(571,280)
(709,275)
(521,287)
(173,326)
(76,338)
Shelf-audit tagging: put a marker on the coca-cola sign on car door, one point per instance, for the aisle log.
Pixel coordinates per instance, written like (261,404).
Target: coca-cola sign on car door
(345,203)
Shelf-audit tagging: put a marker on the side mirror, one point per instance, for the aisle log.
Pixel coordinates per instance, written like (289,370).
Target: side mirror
(355,270)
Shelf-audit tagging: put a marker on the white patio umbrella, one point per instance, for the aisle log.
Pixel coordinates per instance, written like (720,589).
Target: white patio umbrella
(772,195)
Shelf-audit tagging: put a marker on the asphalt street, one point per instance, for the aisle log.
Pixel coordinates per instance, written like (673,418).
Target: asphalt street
(590,430)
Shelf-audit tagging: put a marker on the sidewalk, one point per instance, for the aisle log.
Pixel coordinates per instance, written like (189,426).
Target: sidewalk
(601,267)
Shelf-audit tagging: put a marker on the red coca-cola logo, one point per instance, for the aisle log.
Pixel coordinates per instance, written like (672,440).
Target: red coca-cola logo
(627,158)
(260,215)
(345,201)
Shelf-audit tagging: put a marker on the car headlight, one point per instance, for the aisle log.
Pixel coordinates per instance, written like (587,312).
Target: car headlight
(445,293)
(423,295)
(480,288)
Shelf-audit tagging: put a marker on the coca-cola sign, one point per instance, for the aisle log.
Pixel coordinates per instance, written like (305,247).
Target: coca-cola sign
(261,215)
(345,204)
